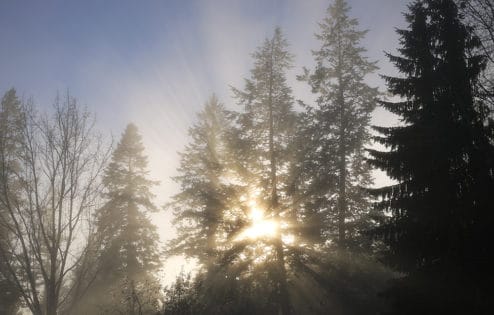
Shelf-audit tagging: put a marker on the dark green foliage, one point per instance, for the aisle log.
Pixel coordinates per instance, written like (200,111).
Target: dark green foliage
(437,220)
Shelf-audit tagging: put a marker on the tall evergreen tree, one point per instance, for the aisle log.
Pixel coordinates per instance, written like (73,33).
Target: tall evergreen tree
(337,128)
(210,210)
(129,254)
(265,130)
(205,192)
(438,233)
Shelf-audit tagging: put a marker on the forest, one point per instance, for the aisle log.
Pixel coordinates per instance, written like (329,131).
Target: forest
(276,200)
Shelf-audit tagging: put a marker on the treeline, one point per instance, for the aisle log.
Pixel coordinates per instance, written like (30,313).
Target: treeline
(275,200)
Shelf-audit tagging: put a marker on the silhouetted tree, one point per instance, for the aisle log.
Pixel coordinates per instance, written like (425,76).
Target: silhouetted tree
(129,252)
(438,216)
(265,130)
(210,212)
(337,128)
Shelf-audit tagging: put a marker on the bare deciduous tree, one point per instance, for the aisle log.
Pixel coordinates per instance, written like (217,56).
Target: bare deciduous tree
(480,14)
(47,195)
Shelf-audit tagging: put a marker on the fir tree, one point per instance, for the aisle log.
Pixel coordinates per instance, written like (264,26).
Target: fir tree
(129,253)
(337,128)
(438,233)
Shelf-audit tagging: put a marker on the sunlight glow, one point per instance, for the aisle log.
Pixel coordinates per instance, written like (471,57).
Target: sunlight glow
(256,215)
(259,227)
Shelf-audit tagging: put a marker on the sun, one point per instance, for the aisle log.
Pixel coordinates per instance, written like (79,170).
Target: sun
(259,227)
(262,228)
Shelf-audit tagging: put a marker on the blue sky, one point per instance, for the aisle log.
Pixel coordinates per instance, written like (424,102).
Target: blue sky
(156,62)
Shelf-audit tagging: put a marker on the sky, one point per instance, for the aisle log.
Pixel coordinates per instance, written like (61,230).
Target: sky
(156,62)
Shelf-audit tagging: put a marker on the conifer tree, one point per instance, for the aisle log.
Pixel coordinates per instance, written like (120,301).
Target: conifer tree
(205,193)
(239,215)
(264,133)
(209,213)
(230,168)
(438,234)
(129,254)
(337,128)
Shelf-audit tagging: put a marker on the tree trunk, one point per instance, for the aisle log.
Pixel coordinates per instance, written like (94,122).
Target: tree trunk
(51,286)
(280,255)
(51,300)
(342,202)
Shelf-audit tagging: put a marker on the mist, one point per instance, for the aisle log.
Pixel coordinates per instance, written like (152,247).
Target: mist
(246,157)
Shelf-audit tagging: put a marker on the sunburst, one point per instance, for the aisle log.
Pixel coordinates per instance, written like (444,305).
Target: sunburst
(259,227)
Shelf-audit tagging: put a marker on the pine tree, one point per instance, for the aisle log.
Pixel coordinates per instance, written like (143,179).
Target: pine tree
(129,253)
(264,133)
(438,233)
(337,128)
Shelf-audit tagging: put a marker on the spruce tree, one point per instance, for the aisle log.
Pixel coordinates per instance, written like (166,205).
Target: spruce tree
(129,254)
(436,219)
(337,128)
